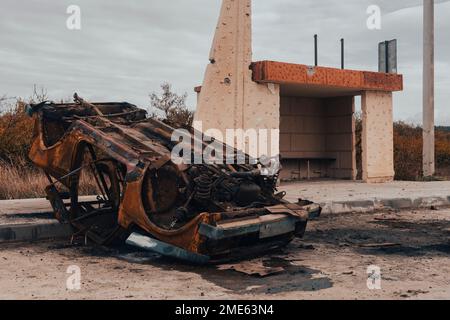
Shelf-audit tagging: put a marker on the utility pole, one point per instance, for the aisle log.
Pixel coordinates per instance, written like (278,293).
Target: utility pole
(428,89)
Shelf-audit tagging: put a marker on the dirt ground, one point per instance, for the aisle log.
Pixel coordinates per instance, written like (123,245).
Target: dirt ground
(411,248)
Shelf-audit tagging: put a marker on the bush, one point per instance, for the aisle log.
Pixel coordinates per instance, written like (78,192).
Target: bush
(407,151)
(172,106)
(16,130)
(408,146)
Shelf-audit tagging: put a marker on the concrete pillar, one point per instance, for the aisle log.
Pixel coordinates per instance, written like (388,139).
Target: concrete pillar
(377,137)
(428,89)
(229,99)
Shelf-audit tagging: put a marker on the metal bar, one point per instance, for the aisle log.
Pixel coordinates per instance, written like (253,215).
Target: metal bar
(342,54)
(49,179)
(95,172)
(386,52)
(316,58)
(70,174)
(104,190)
(114,115)
(90,105)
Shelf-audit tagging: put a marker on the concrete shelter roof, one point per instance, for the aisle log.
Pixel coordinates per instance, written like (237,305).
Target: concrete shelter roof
(298,79)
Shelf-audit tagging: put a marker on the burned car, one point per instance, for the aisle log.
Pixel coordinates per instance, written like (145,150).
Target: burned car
(197,212)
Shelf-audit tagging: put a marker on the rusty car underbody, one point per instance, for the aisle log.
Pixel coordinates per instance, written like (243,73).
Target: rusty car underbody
(200,213)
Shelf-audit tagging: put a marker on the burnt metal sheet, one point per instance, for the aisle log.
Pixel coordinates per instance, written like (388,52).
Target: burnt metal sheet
(215,233)
(266,226)
(165,249)
(268,230)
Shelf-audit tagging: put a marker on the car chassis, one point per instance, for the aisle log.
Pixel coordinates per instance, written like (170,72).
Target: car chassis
(199,213)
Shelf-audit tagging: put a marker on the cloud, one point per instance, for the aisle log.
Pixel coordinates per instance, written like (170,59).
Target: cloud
(127,48)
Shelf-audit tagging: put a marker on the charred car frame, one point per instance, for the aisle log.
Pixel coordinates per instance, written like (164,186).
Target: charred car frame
(200,213)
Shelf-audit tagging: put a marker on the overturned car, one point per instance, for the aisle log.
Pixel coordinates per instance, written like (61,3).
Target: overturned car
(196,212)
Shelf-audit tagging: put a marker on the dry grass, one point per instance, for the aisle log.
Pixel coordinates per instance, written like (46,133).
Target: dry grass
(22,182)
(17,183)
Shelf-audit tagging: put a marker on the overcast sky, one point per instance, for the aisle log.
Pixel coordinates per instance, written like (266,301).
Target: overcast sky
(125,49)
